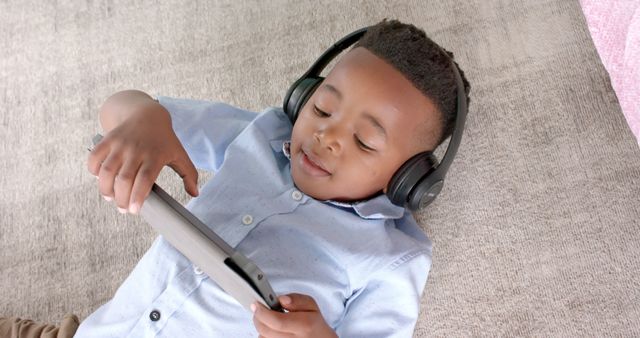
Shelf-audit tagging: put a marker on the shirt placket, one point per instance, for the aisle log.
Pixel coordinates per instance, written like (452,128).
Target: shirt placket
(156,316)
(258,210)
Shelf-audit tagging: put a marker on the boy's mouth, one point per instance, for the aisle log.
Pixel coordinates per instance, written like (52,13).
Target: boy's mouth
(312,165)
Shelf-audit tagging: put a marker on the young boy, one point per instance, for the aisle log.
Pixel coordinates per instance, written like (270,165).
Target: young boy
(305,202)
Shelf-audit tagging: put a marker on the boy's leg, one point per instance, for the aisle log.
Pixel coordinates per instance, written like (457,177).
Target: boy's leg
(14,327)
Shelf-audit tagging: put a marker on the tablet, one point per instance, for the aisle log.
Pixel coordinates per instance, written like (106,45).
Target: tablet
(232,271)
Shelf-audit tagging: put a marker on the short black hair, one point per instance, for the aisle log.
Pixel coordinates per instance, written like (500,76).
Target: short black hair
(409,50)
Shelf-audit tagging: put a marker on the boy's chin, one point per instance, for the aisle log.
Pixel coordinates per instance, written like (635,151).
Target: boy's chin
(322,191)
(316,187)
(308,187)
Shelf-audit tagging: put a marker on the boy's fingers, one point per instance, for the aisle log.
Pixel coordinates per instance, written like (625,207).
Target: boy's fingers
(144,180)
(108,170)
(124,182)
(187,171)
(298,302)
(266,331)
(96,157)
(284,323)
(276,321)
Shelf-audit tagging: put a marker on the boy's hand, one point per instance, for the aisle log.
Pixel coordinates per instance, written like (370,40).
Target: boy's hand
(303,319)
(129,158)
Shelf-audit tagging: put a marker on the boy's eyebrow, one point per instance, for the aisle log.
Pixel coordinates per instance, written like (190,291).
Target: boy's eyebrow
(333,90)
(369,117)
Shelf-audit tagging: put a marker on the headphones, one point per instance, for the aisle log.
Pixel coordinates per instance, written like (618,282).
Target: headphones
(421,178)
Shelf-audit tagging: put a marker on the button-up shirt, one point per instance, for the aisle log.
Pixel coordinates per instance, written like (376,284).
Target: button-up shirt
(364,263)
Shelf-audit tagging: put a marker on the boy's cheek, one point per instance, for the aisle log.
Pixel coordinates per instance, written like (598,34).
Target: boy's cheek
(295,143)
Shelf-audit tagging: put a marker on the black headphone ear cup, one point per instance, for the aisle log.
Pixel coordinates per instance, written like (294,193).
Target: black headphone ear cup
(298,95)
(403,183)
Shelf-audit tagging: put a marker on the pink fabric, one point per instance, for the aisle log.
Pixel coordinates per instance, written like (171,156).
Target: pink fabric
(615,30)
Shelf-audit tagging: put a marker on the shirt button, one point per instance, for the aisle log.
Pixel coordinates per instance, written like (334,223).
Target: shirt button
(154,315)
(247,219)
(197,270)
(296,195)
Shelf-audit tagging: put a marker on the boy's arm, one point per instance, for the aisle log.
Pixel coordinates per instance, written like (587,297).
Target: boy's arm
(142,135)
(303,319)
(138,141)
(124,104)
(205,128)
(388,306)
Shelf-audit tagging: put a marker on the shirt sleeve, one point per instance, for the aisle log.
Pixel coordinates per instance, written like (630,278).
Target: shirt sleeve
(205,128)
(388,306)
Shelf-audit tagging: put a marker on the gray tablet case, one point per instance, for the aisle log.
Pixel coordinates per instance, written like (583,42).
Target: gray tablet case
(231,270)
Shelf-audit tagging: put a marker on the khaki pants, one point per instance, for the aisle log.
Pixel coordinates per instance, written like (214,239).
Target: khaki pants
(14,327)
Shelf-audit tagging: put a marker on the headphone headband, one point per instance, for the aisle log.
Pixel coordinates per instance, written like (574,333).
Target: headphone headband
(461,116)
(333,51)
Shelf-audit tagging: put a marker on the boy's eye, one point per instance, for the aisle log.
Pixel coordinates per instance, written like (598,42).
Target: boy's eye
(320,112)
(362,145)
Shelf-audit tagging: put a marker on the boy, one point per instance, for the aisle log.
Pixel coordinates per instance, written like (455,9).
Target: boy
(305,202)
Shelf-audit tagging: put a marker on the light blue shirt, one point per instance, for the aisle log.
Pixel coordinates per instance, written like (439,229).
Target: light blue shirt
(364,263)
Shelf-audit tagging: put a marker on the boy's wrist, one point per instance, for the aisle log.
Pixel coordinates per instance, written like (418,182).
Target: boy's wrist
(123,105)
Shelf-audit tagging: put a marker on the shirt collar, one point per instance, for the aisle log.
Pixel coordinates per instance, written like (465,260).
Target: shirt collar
(286,149)
(377,207)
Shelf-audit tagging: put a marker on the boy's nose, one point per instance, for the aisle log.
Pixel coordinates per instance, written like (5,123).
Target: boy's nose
(329,139)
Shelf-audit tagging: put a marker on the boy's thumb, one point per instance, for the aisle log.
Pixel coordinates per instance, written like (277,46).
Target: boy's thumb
(187,171)
(191,188)
(298,302)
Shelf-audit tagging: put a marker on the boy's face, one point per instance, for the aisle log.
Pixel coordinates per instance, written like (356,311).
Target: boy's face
(359,126)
